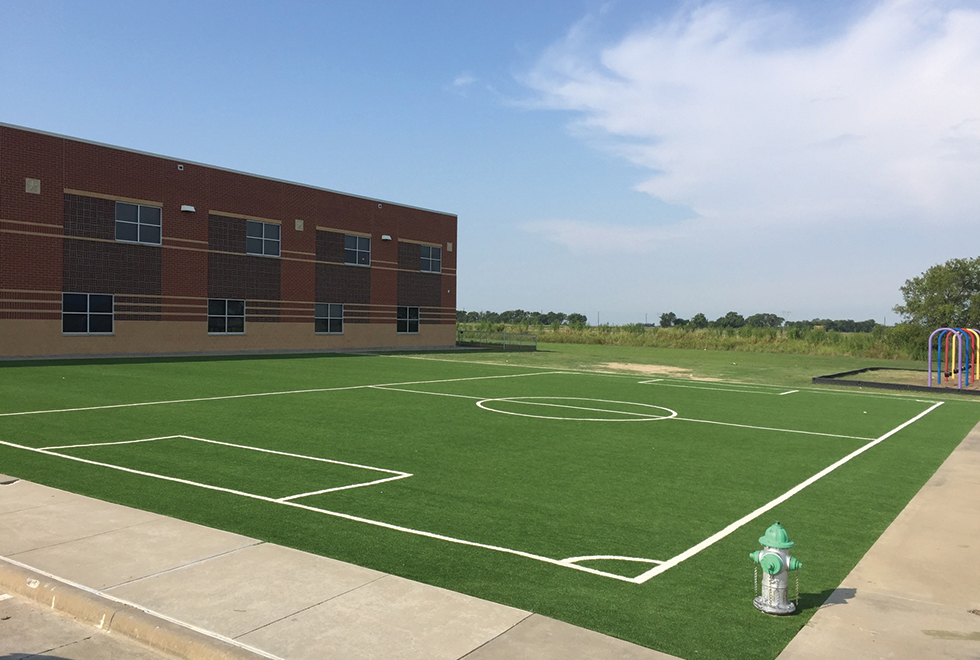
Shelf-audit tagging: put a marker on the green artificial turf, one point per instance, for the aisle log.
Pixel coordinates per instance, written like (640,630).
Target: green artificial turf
(505,475)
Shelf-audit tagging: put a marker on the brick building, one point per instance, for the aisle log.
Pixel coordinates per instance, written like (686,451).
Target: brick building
(109,251)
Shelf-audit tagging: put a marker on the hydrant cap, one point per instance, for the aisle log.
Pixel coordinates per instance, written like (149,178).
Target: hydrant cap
(776,537)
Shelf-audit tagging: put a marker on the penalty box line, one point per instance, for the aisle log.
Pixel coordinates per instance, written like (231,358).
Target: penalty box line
(687,554)
(565,563)
(258,394)
(398,474)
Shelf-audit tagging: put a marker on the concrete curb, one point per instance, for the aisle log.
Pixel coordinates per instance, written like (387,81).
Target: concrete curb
(122,619)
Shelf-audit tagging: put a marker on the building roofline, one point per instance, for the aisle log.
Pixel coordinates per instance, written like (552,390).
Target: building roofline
(222,169)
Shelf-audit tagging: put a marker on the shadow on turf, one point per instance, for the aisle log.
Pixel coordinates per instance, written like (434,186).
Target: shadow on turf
(828,597)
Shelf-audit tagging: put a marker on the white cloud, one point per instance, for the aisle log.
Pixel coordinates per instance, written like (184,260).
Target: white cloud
(880,124)
(464,80)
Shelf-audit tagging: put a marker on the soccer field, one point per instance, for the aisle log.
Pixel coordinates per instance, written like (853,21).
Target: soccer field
(623,503)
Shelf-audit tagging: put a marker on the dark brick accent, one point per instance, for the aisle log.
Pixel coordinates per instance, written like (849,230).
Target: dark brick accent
(90,216)
(226,234)
(419,289)
(409,256)
(243,277)
(97,267)
(330,246)
(343,284)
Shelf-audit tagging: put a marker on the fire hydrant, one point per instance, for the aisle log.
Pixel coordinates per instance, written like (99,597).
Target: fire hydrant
(776,564)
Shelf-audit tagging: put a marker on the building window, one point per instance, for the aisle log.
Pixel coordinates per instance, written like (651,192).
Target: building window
(357,250)
(86,314)
(329,319)
(226,317)
(408,321)
(136,223)
(431,259)
(262,238)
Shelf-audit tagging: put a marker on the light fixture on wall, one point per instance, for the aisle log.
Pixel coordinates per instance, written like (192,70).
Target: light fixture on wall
(385,237)
(187,208)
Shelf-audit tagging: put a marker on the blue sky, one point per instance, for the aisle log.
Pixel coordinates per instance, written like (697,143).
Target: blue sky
(624,158)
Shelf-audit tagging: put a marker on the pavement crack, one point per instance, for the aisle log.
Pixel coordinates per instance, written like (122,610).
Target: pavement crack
(183,566)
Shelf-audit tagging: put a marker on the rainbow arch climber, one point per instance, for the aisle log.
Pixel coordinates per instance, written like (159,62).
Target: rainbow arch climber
(957,353)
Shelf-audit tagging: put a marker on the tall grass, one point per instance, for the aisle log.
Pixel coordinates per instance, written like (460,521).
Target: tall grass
(896,342)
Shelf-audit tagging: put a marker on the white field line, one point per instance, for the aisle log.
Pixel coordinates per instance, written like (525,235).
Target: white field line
(335,514)
(121,601)
(664,383)
(788,392)
(5,596)
(640,416)
(652,380)
(687,554)
(122,442)
(257,394)
(769,428)
(334,490)
(575,560)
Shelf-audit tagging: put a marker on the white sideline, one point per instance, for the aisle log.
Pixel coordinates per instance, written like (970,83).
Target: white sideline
(711,540)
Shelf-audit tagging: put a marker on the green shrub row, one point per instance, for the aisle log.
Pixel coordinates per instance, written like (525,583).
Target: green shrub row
(903,341)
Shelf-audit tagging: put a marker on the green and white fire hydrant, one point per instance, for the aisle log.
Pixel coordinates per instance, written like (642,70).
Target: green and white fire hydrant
(776,564)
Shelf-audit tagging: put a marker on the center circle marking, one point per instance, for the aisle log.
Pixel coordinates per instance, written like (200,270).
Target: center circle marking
(627,416)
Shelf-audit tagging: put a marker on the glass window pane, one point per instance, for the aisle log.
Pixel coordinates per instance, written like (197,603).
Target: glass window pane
(126,212)
(272,248)
(435,253)
(150,215)
(74,323)
(364,258)
(149,234)
(100,323)
(322,325)
(74,302)
(253,229)
(126,231)
(403,312)
(401,326)
(350,256)
(216,306)
(413,312)
(216,324)
(413,326)
(363,243)
(320,311)
(337,326)
(236,308)
(271,230)
(424,251)
(336,311)
(100,303)
(350,242)
(253,246)
(236,324)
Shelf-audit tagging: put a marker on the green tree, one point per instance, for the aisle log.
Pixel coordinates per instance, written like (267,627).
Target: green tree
(945,295)
(667,319)
(699,321)
(730,320)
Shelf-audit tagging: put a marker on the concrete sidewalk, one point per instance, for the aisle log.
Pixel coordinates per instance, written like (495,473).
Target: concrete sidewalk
(202,593)
(197,592)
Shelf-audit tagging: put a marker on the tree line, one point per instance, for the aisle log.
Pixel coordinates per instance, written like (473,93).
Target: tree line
(519,316)
(667,320)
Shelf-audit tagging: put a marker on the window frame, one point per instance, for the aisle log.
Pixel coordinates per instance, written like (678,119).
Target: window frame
(226,315)
(328,317)
(404,319)
(265,240)
(429,259)
(357,251)
(88,313)
(138,224)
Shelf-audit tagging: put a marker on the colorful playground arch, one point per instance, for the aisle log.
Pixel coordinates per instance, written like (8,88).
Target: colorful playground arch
(957,353)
